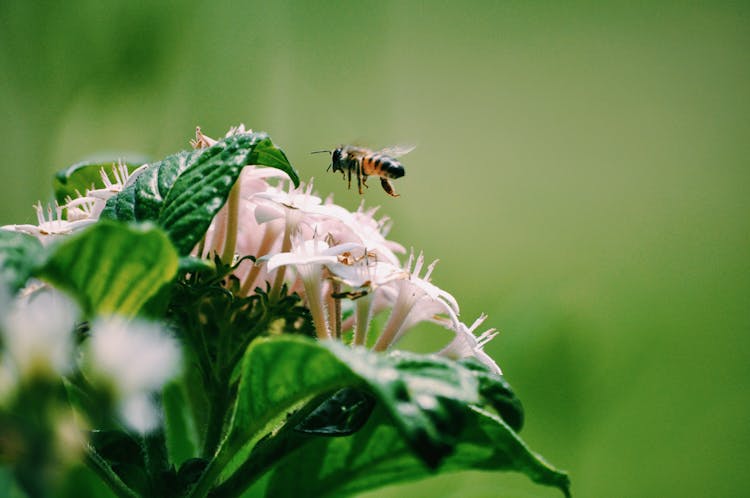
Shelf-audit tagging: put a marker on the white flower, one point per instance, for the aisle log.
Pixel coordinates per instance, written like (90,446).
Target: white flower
(308,257)
(135,359)
(414,300)
(465,344)
(51,226)
(90,205)
(365,277)
(361,226)
(38,334)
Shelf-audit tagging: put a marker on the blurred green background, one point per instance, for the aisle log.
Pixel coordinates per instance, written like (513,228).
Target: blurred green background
(582,173)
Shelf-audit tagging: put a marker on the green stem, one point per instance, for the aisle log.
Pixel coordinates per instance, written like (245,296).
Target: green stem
(233,209)
(155,455)
(105,472)
(216,415)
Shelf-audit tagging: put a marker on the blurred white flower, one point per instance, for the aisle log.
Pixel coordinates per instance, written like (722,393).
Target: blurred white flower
(135,359)
(37,332)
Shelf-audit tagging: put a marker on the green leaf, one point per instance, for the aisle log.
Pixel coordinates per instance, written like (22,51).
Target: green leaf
(422,393)
(180,430)
(120,207)
(497,393)
(183,192)
(19,255)
(342,414)
(426,418)
(191,264)
(83,176)
(377,455)
(112,267)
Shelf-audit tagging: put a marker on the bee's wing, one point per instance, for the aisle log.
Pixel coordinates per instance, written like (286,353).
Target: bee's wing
(397,150)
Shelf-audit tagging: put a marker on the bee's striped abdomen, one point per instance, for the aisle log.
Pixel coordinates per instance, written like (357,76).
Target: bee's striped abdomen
(380,165)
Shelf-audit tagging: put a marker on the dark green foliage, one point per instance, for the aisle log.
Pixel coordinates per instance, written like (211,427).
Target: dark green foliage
(19,256)
(183,192)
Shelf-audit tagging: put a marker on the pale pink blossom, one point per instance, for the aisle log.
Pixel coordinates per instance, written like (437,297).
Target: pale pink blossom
(414,300)
(465,344)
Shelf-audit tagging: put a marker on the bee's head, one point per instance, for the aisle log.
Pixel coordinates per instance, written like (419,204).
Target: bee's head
(337,159)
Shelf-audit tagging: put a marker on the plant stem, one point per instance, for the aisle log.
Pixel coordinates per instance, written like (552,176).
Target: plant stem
(279,280)
(336,310)
(233,208)
(216,414)
(155,456)
(362,320)
(105,472)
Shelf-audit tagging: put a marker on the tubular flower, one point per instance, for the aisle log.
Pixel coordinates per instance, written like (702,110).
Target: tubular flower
(465,344)
(50,226)
(414,300)
(308,257)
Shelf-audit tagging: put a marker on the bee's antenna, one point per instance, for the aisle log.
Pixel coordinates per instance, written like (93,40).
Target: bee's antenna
(320,152)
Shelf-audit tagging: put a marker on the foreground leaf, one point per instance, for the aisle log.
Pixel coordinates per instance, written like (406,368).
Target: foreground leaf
(112,267)
(423,394)
(19,255)
(183,192)
(377,455)
(426,418)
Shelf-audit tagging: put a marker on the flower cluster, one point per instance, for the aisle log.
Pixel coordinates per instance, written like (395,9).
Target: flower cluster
(274,311)
(344,266)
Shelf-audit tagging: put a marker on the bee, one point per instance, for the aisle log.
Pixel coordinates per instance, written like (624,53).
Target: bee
(363,162)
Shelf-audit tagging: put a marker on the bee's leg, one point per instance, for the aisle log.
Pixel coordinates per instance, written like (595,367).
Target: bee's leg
(364,180)
(359,178)
(388,187)
(349,174)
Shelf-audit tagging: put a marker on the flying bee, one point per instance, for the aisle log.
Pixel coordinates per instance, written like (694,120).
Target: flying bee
(363,162)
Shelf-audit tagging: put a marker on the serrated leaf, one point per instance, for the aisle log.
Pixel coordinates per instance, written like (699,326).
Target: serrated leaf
(377,455)
(497,393)
(422,394)
(120,207)
(183,192)
(82,176)
(112,267)
(20,253)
